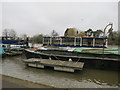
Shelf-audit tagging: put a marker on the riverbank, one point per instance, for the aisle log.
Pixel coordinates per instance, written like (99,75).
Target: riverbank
(11,82)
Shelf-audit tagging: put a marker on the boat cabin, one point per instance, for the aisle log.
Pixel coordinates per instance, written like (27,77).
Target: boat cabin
(62,41)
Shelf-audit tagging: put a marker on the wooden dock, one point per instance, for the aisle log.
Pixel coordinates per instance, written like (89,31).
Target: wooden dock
(67,66)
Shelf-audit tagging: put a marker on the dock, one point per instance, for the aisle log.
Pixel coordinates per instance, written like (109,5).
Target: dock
(68,66)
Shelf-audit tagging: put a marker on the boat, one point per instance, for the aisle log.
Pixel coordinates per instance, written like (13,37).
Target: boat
(74,54)
(90,55)
(12,47)
(62,49)
(110,60)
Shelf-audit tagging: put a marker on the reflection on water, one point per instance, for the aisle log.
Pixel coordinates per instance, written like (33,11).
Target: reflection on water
(87,78)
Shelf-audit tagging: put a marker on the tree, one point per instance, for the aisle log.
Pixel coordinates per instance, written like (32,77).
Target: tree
(6,33)
(113,38)
(71,32)
(54,33)
(12,33)
(89,32)
(9,33)
(97,33)
(80,34)
(110,32)
(37,38)
(23,36)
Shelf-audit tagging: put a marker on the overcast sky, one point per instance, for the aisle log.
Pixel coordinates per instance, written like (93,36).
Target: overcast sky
(43,17)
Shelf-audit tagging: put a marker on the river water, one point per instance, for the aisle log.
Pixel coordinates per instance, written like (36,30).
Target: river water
(87,78)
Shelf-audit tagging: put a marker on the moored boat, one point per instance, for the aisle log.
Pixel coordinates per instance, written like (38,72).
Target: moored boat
(76,53)
(97,60)
(90,54)
(63,50)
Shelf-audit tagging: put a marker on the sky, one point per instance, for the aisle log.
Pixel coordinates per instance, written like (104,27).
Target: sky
(33,18)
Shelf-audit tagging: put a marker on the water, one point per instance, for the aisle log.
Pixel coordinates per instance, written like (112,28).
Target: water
(87,78)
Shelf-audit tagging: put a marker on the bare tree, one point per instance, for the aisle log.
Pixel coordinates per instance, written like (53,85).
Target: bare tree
(54,33)
(24,36)
(12,33)
(6,33)
(9,33)
(37,38)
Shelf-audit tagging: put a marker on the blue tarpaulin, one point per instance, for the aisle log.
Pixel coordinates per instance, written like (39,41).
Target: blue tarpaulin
(1,50)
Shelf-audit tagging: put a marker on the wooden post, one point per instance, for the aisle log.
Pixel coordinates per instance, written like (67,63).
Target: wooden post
(27,42)
(106,42)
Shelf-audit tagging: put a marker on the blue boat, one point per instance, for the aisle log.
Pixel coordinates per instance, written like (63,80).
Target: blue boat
(11,41)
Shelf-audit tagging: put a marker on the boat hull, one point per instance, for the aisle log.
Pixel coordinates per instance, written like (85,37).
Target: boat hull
(65,55)
(97,62)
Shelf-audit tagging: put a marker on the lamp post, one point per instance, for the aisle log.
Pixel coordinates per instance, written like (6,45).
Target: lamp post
(110,24)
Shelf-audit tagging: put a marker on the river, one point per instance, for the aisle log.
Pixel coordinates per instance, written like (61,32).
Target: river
(87,78)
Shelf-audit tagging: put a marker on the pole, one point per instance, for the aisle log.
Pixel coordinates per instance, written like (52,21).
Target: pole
(50,40)
(43,40)
(27,42)
(93,42)
(106,42)
(61,41)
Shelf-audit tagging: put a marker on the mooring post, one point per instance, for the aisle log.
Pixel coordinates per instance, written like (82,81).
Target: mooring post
(27,42)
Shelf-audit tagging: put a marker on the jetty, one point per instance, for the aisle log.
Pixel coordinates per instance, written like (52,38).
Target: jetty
(58,65)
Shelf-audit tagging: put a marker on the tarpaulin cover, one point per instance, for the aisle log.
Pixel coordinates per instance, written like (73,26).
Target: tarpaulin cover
(1,50)
(97,50)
